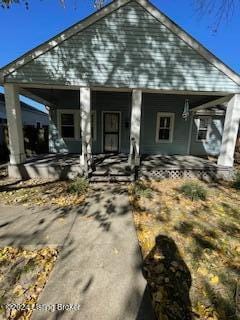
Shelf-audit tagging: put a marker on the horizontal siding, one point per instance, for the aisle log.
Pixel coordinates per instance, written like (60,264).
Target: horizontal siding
(109,101)
(128,48)
(152,104)
(213,144)
(101,101)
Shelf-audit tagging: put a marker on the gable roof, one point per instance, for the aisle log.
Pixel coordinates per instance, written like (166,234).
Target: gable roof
(24,105)
(80,26)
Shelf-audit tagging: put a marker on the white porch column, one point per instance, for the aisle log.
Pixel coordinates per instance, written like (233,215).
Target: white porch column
(135,125)
(230,131)
(14,120)
(85,111)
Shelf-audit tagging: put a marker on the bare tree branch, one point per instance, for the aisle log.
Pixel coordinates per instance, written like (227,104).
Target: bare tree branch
(6,4)
(221,10)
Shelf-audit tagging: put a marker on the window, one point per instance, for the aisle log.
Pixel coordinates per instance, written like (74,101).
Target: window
(67,125)
(165,123)
(203,128)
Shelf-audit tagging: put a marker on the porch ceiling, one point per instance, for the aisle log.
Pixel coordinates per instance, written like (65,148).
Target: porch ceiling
(56,96)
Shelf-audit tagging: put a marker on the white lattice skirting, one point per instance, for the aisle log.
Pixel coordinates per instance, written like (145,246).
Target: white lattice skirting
(203,174)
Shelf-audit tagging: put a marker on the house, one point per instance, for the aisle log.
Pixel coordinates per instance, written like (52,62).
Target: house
(127,80)
(30,117)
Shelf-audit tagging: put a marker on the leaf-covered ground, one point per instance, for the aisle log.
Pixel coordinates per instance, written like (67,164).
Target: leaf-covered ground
(23,275)
(38,192)
(191,251)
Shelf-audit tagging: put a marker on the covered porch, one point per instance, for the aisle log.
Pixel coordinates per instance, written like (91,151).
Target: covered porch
(115,168)
(107,121)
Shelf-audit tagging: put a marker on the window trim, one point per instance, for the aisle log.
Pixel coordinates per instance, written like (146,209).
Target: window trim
(172,120)
(77,124)
(209,118)
(76,116)
(94,114)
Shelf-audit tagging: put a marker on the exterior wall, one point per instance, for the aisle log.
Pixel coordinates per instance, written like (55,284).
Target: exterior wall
(101,101)
(130,49)
(213,144)
(56,143)
(107,101)
(153,103)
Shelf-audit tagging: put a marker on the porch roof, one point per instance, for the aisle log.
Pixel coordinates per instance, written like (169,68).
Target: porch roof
(66,98)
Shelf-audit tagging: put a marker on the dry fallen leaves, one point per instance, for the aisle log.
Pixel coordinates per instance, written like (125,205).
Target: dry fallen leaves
(23,276)
(206,234)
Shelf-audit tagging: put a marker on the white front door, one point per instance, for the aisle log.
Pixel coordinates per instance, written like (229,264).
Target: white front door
(111,123)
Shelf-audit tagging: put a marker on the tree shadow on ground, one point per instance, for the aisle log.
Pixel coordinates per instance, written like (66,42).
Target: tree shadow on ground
(169,280)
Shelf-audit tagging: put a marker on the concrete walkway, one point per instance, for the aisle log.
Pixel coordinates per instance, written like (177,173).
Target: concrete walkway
(99,267)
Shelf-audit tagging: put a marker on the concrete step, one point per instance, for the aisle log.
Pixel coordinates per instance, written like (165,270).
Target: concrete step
(111,178)
(112,173)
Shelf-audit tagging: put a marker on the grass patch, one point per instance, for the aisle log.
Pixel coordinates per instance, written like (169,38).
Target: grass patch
(142,190)
(79,186)
(23,275)
(42,192)
(191,249)
(193,190)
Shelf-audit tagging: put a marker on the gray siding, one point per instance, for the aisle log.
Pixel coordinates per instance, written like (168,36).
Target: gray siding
(152,104)
(107,101)
(128,48)
(213,144)
(101,101)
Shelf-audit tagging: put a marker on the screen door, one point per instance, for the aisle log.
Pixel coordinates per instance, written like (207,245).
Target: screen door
(111,131)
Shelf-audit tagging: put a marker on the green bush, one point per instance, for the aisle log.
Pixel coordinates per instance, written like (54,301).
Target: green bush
(194,190)
(141,190)
(236,180)
(79,186)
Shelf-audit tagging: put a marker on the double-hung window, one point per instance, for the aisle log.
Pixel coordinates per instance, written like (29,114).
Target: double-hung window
(67,124)
(203,127)
(165,125)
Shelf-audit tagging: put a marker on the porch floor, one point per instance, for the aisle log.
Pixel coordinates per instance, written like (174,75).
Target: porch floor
(177,162)
(67,166)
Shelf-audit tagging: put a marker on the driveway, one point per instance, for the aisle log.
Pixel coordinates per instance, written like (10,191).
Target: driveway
(99,266)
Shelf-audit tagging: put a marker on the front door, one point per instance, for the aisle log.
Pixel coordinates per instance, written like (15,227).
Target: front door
(111,126)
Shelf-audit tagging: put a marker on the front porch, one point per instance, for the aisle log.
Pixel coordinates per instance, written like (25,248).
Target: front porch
(91,123)
(115,168)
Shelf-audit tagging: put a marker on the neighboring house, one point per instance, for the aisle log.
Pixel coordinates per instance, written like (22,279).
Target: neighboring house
(30,115)
(31,118)
(128,80)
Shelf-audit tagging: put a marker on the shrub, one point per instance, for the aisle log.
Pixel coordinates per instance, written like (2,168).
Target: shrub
(194,191)
(236,180)
(79,186)
(141,190)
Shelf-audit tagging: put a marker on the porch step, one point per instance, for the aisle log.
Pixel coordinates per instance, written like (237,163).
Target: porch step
(111,178)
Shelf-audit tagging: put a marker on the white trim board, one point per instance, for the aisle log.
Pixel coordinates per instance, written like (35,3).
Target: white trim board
(76,117)
(80,26)
(171,129)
